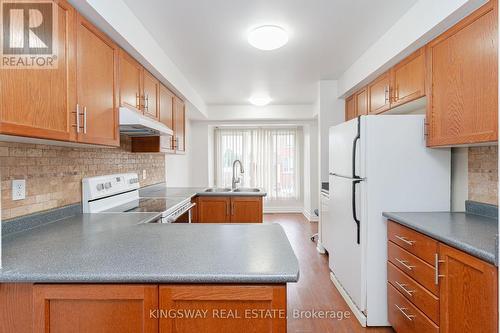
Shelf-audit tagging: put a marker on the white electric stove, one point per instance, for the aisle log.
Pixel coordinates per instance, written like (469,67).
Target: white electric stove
(119,193)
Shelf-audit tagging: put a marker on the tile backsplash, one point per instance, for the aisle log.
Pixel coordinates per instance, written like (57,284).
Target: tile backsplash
(53,174)
(483,174)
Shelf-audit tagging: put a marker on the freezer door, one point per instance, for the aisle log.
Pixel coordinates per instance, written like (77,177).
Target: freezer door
(343,144)
(341,239)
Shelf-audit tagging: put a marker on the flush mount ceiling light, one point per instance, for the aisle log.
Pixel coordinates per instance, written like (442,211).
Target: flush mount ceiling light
(268,37)
(260,100)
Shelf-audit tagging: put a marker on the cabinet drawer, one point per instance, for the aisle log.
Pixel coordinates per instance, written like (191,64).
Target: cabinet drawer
(414,267)
(405,317)
(418,295)
(412,241)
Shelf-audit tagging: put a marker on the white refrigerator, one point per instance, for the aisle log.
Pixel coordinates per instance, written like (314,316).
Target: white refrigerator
(376,164)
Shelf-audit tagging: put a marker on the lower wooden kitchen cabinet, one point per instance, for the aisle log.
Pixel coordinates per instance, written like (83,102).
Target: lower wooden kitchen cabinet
(457,292)
(225,209)
(224,308)
(145,308)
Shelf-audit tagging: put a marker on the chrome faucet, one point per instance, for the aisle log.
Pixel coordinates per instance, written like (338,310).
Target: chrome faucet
(236,180)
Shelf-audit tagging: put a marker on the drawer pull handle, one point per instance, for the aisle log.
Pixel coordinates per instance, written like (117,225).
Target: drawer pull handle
(403,287)
(405,264)
(403,311)
(436,269)
(404,240)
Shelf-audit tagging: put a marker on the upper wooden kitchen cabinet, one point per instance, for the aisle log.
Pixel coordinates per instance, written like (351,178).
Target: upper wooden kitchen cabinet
(179,125)
(94,308)
(468,293)
(97,91)
(462,71)
(131,76)
(350,108)
(361,102)
(246,209)
(379,94)
(166,114)
(40,103)
(150,95)
(408,79)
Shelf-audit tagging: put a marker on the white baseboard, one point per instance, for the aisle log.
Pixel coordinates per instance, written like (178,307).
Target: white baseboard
(311,217)
(284,210)
(357,313)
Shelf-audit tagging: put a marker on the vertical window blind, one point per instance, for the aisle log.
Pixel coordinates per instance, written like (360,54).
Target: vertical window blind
(270,157)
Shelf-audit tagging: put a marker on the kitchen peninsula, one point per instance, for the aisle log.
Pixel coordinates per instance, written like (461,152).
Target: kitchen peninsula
(117,272)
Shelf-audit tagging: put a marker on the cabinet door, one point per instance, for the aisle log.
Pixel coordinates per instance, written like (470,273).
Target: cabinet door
(224,308)
(350,108)
(462,74)
(408,79)
(468,293)
(361,102)
(179,125)
(97,66)
(246,209)
(95,308)
(130,82)
(40,103)
(379,94)
(214,209)
(150,97)
(167,116)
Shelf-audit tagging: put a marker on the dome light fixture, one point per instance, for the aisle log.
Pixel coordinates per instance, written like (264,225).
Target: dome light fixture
(268,37)
(260,100)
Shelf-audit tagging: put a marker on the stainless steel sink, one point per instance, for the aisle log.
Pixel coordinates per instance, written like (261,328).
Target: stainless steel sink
(218,189)
(247,189)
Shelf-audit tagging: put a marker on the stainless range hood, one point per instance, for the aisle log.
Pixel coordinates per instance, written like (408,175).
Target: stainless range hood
(133,123)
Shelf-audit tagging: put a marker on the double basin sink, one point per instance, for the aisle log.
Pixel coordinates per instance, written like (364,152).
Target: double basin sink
(237,190)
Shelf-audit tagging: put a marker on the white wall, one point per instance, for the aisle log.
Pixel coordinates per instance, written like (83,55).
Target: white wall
(331,113)
(255,113)
(310,170)
(459,178)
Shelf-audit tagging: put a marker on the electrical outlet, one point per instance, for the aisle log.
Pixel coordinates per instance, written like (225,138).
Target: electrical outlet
(144,175)
(18,189)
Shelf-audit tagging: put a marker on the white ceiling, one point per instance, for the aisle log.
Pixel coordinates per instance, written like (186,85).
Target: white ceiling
(206,39)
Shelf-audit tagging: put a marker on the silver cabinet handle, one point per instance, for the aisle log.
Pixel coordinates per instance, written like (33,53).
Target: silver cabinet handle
(403,239)
(403,287)
(85,119)
(137,101)
(436,268)
(386,91)
(146,102)
(403,311)
(405,264)
(77,118)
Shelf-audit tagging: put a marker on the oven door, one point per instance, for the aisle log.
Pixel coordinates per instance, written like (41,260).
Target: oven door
(180,215)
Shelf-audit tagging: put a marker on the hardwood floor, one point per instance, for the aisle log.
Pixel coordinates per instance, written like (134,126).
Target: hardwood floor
(314,291)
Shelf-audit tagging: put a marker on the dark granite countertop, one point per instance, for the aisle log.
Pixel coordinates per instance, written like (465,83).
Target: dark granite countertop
(122,248)
(474,234)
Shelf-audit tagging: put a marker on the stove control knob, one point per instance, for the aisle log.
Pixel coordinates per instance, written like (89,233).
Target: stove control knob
(107,185)
(100,187)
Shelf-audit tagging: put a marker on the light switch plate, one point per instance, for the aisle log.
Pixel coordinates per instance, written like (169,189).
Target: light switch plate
(18,189)
(144,175)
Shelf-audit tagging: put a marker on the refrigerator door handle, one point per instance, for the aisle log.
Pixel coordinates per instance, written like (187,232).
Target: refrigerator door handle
(354,212)
(354,146)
